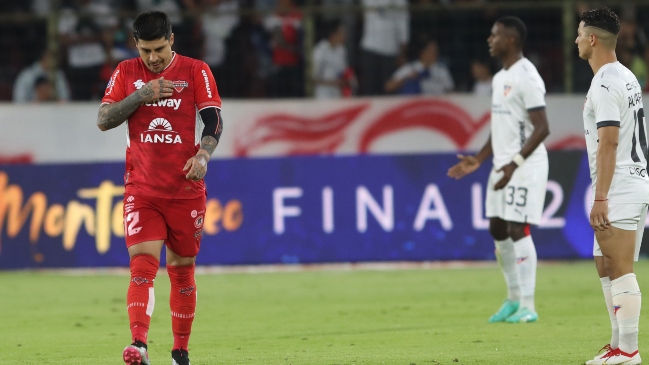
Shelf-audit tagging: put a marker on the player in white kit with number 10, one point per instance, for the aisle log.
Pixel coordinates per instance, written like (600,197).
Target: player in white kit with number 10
(616,141)
(517,183)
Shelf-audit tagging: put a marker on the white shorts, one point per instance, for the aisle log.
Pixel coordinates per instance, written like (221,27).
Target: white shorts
(629,217)
(523,198)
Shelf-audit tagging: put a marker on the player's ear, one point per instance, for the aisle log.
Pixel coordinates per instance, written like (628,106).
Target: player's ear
(171,39)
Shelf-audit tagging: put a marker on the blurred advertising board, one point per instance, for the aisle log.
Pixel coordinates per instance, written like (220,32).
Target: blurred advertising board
(299,209)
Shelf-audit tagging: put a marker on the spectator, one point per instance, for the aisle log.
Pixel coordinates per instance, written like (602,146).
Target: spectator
(86,30)
(349,20)
(218,19)
(425,76)
(481,72)
(122,48)
(24,87)
(248,60)
(43,90)
(285,26)
(631,60)
(384,42)
(330,64)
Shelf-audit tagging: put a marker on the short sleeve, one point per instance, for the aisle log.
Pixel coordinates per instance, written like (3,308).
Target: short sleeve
(205,93)
(606,101)
(533,92)
(115,90)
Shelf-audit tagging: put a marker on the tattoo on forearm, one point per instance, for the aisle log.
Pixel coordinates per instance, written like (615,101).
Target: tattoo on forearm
(113,115)
(209,143)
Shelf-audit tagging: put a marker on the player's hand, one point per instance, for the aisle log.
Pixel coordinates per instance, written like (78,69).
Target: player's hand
(599,216)
(156,89)
(196,167)
(467,165)
(508,171)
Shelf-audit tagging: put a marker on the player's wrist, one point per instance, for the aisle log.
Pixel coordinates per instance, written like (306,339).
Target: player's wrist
(518,160)
(204,154)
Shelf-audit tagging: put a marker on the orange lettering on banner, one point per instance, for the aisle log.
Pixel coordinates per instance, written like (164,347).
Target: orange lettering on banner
(15,214)
(233,216)
(104,195)
(76,215)
(230,217)
(102,222)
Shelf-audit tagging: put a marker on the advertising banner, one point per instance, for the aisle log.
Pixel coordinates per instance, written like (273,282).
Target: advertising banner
(276,128)
(302,209)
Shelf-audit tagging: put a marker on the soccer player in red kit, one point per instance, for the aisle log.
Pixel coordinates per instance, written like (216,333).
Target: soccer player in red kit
(172,109)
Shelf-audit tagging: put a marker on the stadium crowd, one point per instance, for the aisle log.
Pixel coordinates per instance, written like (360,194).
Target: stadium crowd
(256,48)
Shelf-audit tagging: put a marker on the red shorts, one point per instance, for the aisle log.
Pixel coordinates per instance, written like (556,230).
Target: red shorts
(179,222)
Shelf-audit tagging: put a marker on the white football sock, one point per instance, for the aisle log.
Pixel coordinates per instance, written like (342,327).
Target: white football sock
(608,298)
(507,261)
(526,265)
(627,301)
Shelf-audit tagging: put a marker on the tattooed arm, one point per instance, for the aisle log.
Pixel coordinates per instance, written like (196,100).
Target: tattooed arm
(113,115)
(197,165)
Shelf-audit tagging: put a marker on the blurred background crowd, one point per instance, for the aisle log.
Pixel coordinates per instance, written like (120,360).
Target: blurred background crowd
(66,50)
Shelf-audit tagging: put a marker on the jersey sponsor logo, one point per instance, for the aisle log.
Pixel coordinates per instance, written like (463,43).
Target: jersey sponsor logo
(207,84)
(111,83)
(160,131)
(637,171)
(130,198)
(180,85)
(198,223)
(138,84)
(169,103)
(632,85)
(194,213)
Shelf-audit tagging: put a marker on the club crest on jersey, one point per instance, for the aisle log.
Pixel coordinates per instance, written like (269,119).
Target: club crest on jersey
(507,90)
(160,131)
(138,84)
(180,85)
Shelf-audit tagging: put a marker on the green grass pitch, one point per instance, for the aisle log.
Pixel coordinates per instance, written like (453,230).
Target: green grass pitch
(405,317)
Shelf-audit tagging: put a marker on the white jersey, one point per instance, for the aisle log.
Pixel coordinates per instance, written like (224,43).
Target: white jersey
(516,91)
(615,99)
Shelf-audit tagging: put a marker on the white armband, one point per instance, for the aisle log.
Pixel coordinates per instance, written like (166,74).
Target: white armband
(518,159)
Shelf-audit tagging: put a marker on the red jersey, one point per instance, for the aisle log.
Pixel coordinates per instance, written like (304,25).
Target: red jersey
(164,134)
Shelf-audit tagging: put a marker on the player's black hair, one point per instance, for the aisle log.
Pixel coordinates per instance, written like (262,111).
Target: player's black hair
(332,27)
(602,18)
(151,25)
(516,24)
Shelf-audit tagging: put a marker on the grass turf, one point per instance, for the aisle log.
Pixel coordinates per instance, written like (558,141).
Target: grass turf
(407,317)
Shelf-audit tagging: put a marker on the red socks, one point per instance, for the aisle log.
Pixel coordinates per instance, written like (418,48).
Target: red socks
(182,302)
(140,299)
